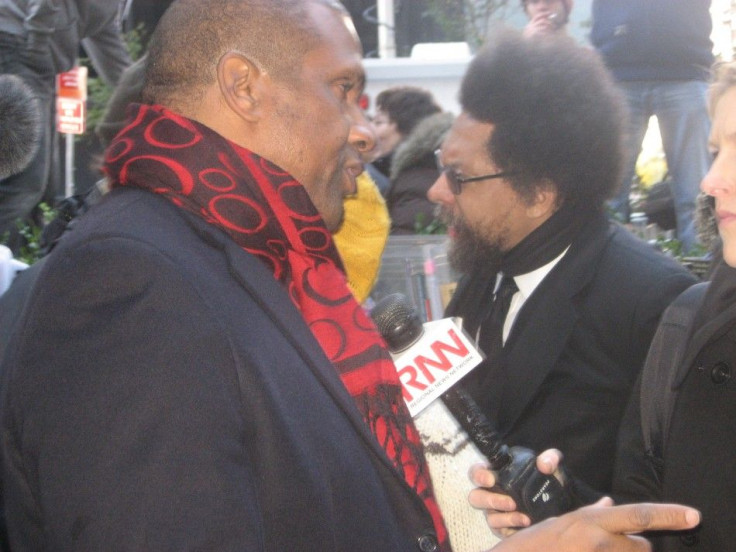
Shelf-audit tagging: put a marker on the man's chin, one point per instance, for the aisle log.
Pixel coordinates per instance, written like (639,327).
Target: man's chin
(468,253)
(335,227)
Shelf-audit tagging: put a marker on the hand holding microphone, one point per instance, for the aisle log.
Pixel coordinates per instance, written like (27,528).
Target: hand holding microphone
(501,513)
(430,363)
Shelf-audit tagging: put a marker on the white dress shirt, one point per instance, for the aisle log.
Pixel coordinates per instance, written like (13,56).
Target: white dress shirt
(526,283)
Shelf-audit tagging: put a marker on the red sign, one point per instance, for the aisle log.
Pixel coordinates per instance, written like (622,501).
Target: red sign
(70,116)
(71,95)
(440,358)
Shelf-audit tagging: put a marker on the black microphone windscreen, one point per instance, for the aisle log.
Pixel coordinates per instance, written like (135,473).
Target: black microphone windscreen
(397,321)
(19,125)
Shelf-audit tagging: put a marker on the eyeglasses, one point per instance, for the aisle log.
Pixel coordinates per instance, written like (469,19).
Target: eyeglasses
(456,182)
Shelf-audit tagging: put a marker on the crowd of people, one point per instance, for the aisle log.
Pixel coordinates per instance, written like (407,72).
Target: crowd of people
(192,366)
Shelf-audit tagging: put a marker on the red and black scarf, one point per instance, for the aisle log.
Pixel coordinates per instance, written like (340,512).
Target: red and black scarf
(269,214)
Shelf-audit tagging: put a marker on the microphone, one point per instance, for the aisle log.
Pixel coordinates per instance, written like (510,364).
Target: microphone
(19,125)
(442,345)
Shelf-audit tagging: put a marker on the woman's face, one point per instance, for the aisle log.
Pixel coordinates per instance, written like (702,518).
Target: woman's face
(388,136)
(720,182)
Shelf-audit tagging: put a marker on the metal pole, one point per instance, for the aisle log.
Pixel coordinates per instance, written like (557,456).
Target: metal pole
(69,165)
(386,35)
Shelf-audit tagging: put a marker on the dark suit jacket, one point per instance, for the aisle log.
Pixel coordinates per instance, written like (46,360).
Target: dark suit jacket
(576,347)
(163,393)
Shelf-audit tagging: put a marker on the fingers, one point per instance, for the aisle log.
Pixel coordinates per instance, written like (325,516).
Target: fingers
(537,26)
(602,527)
(503,533)
(483,499)
(549,461)
(481,476)
(504,524)
(636,518)
(500,509)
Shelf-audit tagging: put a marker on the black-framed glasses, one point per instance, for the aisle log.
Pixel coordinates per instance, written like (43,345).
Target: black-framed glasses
(456,182)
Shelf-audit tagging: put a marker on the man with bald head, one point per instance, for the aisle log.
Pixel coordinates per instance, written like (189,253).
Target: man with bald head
(190,371)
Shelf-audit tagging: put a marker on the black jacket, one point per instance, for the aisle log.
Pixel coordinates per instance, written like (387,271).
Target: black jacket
(697,465)
(577,346)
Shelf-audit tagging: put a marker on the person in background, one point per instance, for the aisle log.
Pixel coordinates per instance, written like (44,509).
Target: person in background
(546,16)
(381,180)
(659,52)
(409,128)
(523,190)
(398,110)
(413,171)
(215,359)
(39,39)
(362,236)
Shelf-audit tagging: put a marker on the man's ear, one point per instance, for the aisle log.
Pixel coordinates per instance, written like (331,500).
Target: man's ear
(241,82)
(545,200)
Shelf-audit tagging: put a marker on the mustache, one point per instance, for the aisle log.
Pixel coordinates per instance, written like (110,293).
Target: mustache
(446,216)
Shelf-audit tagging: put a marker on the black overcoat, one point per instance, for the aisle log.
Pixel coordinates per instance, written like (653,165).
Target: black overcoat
(163,393)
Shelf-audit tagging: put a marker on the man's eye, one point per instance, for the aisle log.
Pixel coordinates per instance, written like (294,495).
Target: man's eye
(346,87)
(455,175)
(714,154)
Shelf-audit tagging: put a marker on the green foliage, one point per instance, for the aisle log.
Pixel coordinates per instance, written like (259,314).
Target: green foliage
(436,226)
(32,249)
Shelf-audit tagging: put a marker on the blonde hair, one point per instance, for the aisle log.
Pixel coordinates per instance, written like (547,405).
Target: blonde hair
(722,79)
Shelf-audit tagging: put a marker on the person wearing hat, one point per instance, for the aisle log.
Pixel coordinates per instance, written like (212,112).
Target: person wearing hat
(546,16)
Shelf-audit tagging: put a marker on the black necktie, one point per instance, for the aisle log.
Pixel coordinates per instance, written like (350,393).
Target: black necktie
(491,330)
(486,381)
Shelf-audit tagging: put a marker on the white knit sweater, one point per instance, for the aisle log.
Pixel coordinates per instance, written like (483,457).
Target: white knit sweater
(450,454)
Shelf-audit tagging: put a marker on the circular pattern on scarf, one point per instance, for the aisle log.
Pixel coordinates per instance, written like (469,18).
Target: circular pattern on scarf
(320,285)
(238,213)
(333,341)
(167,133)
(150,165)
(218,180)
(315,238)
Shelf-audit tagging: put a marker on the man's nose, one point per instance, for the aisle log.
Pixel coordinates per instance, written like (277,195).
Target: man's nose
(440,191)
(362,135)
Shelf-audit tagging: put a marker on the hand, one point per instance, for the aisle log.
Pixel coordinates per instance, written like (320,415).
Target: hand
(543,23)
(500,509)
(601,527)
